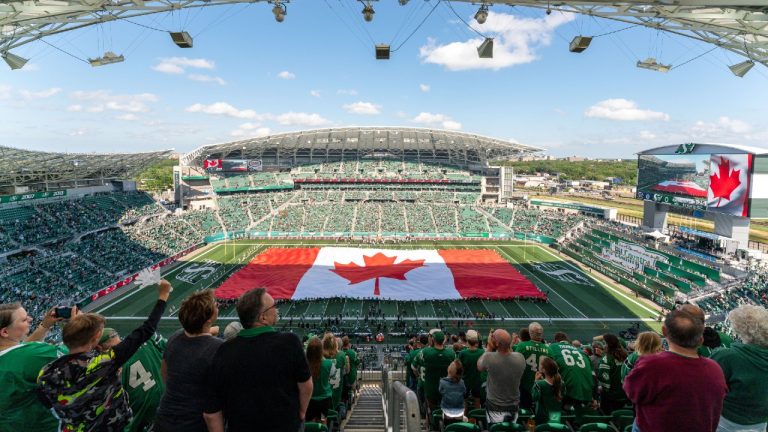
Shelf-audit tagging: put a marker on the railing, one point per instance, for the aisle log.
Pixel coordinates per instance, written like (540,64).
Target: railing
(395,393)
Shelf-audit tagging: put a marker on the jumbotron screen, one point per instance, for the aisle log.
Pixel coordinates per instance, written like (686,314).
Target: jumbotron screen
(697,181)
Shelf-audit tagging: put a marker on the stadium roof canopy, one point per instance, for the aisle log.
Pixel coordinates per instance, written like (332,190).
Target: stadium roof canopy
(46,171)
(705,148)
(740,26)
(356,142)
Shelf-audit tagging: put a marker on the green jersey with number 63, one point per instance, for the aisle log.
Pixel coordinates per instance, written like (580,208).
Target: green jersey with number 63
(576,370)
(142,379)
(532,351)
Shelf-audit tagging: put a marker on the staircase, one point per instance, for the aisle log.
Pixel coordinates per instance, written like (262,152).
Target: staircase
(368,413)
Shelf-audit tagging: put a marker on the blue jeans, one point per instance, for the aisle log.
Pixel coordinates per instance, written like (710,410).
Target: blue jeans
(635,428)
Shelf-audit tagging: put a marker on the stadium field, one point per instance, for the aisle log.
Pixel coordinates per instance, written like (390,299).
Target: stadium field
(579,303)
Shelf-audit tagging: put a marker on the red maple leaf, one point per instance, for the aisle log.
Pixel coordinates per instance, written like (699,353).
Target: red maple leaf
(725,182)
(376,266)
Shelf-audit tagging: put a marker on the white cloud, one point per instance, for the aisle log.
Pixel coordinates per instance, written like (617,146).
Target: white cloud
(5,91)
(363,108)
(515,42)
(623,110)
(250,130)
(178,65)
(314,93)
(127,117)
(347,92)
(724,128)
(103,100)
(78,132)
(207,78)
(301,119)
(225,109)
(286,75)
(647,135)
(424,87)
(436,120)
(42,94)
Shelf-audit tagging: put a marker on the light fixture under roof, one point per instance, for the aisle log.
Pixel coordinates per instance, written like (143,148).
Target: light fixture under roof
(482,14)
(368,13)
(651,64)
(741,69)
(14,61)
(108,58)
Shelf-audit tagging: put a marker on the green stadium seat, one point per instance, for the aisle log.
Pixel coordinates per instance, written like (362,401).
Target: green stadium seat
(507,427)
(595,427)
(552,427)
(479,416)
(315,427)
(622,417)
(628,428)
(462,427)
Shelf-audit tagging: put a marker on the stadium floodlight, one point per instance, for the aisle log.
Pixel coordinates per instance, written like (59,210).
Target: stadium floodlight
(482,14)
(579,44)
(651,64)
(182,39)
(108,58)
(741,69)
(485,50)
(403,2)
(368,13)
(14,61)
(279,11)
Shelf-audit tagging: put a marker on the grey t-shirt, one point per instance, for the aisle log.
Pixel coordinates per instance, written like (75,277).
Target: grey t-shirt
(187,360)
(504,374)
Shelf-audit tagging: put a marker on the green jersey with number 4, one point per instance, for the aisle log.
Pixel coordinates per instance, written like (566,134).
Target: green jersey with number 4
(433,364)
(337,374)
(142,379)
(532,351)
(576,370)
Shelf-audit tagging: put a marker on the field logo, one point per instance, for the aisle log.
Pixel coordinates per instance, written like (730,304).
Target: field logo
(198,271)
(563,275)
(685,148)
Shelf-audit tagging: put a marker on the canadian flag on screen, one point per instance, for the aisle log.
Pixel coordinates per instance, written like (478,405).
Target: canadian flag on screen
(729,183)
(212,164)
(300,273)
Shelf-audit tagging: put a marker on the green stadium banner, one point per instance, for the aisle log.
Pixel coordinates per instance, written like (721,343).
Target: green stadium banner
(31,196)
(195,177)
(254,189)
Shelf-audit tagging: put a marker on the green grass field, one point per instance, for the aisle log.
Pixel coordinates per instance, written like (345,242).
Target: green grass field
(580,304)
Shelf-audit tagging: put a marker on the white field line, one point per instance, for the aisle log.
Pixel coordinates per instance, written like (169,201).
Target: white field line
(543,318)
(545,284)
(644,307)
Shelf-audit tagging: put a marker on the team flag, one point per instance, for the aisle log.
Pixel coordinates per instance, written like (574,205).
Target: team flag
(300,273)
(729,183)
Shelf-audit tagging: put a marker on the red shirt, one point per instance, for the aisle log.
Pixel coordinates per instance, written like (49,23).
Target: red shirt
(676,393)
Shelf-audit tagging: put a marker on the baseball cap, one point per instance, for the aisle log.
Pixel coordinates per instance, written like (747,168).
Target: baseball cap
(438,336)
(108,334)
(472,335)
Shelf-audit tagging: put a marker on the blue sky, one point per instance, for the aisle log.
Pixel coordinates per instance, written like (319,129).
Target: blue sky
(248,75)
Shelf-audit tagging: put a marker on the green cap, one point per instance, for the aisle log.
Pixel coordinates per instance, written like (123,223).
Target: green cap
(108,334)
(439,336)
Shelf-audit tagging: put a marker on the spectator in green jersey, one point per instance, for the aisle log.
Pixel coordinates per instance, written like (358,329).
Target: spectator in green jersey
(141,377)
(532,351)
(473,378)
(612,396)
(338,370)
(745,366)
(576,370)
(417,370)
(354,361)
(434,362)
(21,357)
(320,368)
(547,391)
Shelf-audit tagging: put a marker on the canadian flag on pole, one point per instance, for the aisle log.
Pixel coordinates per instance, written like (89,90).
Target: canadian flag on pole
(300,273)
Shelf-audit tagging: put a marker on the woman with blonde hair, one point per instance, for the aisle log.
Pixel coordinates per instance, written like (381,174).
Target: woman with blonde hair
(320,369)
(452,391)
(646,343)
(340,366)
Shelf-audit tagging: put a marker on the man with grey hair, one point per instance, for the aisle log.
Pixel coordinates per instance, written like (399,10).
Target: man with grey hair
(505,369)
(531,351)
(259,380)
(745,366)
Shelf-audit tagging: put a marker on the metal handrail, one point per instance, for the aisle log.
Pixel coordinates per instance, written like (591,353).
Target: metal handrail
(395,392)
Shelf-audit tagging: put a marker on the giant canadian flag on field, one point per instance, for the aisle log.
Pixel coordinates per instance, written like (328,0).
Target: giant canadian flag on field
(729,183)
(300,273)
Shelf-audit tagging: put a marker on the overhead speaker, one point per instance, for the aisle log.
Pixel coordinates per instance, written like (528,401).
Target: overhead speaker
(382,52)
(182,39)
(579,44)
(485,50)
(741,69)
(14,61)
